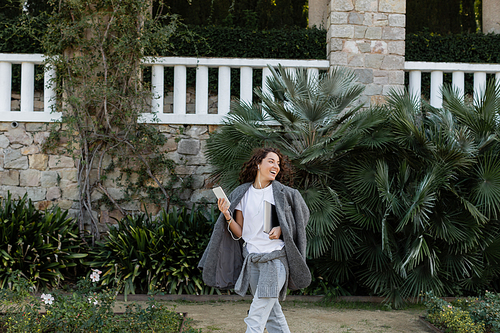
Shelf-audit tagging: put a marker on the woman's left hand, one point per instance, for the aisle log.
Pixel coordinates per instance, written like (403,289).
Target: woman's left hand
(275,233)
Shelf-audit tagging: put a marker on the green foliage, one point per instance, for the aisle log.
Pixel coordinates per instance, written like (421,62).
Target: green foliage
(156,255)
(471,314)
(402,199)
(41,246)
(84,310)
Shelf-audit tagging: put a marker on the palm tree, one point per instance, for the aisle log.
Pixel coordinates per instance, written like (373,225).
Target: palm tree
(314,121)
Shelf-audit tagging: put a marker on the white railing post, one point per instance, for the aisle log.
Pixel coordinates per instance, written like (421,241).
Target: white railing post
(202,90)
(157,88)
(5,86)
(479,85)
(497,78)
(312,74)
(27,86)
(246,84)
(180,89)
(292,72)
(266,72)
(224,91)
(415,88)
(458,82)
(49,89)
(436,85)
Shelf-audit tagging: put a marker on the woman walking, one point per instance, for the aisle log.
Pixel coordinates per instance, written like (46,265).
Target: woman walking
(241,255)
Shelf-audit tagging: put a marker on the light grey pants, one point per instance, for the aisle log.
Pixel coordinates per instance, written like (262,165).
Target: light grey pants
(266,311)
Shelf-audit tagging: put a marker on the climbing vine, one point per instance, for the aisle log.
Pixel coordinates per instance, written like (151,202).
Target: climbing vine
(96,47)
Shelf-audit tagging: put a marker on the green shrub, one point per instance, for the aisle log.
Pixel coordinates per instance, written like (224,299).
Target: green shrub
(86,309)
(156,254)
(42,246)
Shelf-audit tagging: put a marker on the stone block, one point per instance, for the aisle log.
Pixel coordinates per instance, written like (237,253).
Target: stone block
(396,77)
(197,132)
(175,156)
(64,204)
(188,147)
(393,62)
(60,162)
(382,80)
(374,60)
(380,20)
(368,19)
(4,127)
(30,150)
(203,195)
(350,46)
(185,169)
(150,208)
(53,193)
(341,5)
(397,48)
(364,47)
(373,89)
(373,33)
(397,20)
(13,159)
(204,169)
(130,205)
(198,181)
(392,6)
(185,194)
(377,100)
(15,105)
(336,44)
(44,205)
(356,60)
(342,31)
(69,174)
(199,159)
(39,138)
(4,142)
(110,217)
(36,127)
(10,177)
(359,31)
(391,33)
(379,47)
(115,193)
(111,178)
(15,191)
(49,179)
(19,135)
(338,59)
(366,5)
(399,89)
(356,18)
(364,75)
(338,18)
(36,194)
(29,177)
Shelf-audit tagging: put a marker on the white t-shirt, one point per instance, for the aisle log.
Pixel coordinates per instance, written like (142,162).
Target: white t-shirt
(252,207)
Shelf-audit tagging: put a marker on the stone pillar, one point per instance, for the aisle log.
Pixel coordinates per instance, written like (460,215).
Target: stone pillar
(369,37)
(491,16)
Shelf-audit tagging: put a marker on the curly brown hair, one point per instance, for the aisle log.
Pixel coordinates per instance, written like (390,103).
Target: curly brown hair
(249,169)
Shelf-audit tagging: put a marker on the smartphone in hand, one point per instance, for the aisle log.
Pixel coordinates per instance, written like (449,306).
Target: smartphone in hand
(219,193)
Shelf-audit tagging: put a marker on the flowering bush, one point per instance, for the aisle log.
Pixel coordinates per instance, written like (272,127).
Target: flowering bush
(471,314)
(87,309)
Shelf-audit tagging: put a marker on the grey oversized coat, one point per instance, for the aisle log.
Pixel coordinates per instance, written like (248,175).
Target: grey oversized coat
(222,260)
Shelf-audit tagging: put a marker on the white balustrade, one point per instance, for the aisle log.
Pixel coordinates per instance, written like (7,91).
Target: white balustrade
(26,113)
(458,71)
(246,67)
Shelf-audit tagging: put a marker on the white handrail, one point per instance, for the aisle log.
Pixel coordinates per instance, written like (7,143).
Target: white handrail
(180,65)
(415,68)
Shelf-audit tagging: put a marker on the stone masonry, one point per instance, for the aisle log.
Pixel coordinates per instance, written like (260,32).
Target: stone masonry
(51,179)
(369,37)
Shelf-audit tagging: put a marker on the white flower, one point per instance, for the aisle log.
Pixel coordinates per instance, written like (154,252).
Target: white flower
(95,276)
(47,298)
(93,300)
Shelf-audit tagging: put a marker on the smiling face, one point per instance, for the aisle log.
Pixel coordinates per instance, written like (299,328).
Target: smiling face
(268,169)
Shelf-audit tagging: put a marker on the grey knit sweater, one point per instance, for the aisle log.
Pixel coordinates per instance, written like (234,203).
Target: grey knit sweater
(222,260)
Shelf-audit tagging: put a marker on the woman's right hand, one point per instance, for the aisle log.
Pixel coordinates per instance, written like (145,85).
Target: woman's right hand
(224,208)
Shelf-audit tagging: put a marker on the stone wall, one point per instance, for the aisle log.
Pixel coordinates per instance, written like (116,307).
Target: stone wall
(51,179)
(369,36)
